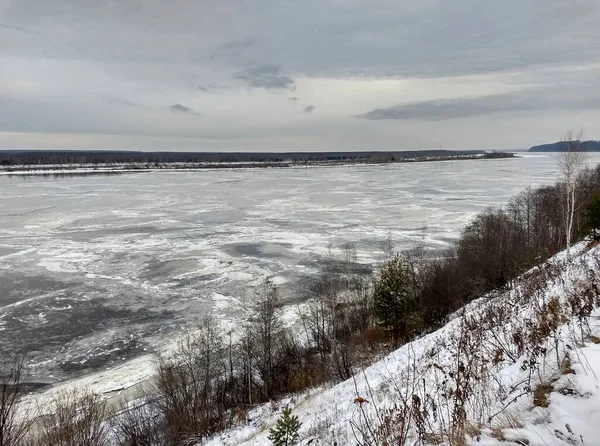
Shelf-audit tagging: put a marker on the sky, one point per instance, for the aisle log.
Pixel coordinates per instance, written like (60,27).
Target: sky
(302,75)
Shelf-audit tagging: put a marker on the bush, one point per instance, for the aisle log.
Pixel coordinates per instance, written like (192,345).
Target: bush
(187,386)
(77,417)
(139,424)
(13,429)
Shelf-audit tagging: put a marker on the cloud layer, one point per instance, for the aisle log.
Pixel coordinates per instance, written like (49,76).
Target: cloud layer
(531,100)
(185,74)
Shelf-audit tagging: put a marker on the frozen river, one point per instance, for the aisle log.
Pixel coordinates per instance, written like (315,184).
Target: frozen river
(98,269)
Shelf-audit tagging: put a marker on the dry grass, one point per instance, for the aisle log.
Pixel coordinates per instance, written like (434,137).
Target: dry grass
(509,420)
(595,339)
(473,430)
(566,368)
(506,420)
(541,393)
(592,244)
(498,434)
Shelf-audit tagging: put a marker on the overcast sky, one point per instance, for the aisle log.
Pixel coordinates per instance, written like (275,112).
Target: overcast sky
(268,75)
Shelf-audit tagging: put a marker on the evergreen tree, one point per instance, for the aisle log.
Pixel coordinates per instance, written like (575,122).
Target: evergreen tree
(396,305)
(593,217)
(285,432)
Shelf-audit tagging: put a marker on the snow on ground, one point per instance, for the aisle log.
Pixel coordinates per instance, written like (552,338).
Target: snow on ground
(502,409)
(108,383)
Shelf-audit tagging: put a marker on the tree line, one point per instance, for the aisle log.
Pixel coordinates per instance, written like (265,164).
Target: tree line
(58,157)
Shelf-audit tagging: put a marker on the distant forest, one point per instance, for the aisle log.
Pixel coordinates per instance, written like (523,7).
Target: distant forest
(588,146)
(33,157)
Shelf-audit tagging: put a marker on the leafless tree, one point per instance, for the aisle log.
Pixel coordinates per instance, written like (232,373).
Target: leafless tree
(571,162)
(186,385)
(388,247)
(76,418)
(13,426)
(267,329)
(247,351)
(139,422)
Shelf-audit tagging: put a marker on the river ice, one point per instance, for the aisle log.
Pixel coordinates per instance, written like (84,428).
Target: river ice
(98,269)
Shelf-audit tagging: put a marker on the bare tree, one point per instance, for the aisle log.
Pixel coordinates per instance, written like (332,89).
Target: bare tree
(267,329)
(186,384)
(139,422)
(388,247)
(77,417)
(247,350)
(13,426)
(571,162)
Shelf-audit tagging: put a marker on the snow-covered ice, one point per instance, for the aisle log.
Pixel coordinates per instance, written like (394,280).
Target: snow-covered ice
(97,270)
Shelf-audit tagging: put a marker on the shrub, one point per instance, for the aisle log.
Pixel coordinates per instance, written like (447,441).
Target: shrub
(186,386)
(13,429)
(77,417)
(139,424)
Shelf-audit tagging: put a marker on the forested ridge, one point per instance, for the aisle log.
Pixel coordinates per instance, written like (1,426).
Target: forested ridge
(588,146)
(58,157)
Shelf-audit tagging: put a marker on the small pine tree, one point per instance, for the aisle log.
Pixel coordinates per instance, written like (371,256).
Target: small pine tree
(396,306)
(285,432)
(593,217)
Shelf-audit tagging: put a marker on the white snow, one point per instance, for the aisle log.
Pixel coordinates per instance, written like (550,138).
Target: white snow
(571,418)
(110,381)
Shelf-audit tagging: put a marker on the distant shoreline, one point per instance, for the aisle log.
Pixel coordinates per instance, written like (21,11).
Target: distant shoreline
(561,146)
(89,168)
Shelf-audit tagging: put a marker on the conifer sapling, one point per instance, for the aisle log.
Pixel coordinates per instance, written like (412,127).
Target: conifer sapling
(285,432)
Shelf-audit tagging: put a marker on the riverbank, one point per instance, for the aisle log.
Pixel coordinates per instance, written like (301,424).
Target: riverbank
(117,168)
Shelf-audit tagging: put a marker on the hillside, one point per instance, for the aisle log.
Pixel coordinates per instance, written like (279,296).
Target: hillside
(517,367)
(588,146)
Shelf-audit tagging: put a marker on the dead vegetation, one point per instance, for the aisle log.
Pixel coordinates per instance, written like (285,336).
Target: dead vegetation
(541,394)
(463,388)
(75,417)
(14,427)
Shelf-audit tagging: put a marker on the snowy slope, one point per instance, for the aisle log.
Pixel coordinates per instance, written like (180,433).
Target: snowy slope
(497,365)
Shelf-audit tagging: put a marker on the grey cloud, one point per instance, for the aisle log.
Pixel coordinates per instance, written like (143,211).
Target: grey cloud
(424,39)
(266,76)
(120,101)
(293,98)
(212,87)
(237,45)
(178,108)
(233,48)
(18,28)
(533,99)
(153,53)
(346,38)
(309,109)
